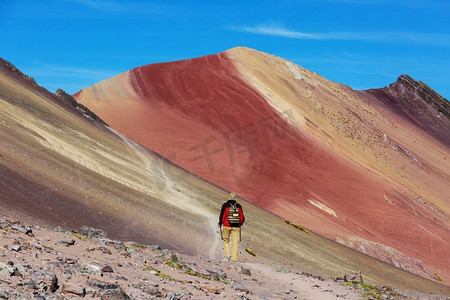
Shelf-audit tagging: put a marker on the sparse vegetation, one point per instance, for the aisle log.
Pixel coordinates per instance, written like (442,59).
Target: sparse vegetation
(250,251)
(223,279)
(374,292)
(437,277)
(298,226)
(79,236)
(139,246)
(173,264)
(159,273)
(190,271)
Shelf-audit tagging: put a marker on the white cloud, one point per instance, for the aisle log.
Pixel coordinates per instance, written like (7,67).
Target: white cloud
(433,39)
(273,31)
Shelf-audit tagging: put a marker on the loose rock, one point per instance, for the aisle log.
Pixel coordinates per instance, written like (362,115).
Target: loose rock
(92,232)
(107,269)
(45,280)
(354,277)
(92,269)
(16,248)
(6,269)
(68,242)
(75,290)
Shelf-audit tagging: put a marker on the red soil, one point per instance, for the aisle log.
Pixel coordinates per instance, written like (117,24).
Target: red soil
(201,115)
(218,127)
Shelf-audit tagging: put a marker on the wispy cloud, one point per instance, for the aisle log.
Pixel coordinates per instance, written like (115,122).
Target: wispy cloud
(434,39)
(70,78)
(274,31)
(100,5)
(346,1)
(411,4)
(122,6)
(48,70)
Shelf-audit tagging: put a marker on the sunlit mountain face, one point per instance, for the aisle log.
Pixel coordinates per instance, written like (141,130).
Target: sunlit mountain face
(359,167)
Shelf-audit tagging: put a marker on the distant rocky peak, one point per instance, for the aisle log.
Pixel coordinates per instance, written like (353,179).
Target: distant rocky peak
(66,97)
(408,83)
(408,80)
(71,101)
(410,90)
(11,68)
(417,103)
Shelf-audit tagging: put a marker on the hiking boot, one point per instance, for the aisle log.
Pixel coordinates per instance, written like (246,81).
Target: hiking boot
(226,258)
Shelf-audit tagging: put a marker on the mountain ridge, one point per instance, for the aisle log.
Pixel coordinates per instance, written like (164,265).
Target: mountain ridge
(431,114)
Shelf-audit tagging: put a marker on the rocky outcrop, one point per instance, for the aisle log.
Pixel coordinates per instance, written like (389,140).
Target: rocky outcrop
(419,104)
(9,67)
(410,90)
(69,99)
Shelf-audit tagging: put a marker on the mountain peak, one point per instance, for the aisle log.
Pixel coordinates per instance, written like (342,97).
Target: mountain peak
(419,104)
(10,68)
(408,88)
(71,101)
(243,48)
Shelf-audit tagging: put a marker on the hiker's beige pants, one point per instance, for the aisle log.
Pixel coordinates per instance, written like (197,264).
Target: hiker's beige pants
(234,232)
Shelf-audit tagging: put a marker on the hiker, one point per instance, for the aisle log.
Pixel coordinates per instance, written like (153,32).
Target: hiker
(230,220)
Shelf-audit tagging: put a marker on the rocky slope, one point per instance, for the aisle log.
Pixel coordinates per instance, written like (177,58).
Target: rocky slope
(418,104)
(37,263)
(341,162)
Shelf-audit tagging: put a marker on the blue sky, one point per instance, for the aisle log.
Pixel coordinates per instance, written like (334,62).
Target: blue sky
(72,44)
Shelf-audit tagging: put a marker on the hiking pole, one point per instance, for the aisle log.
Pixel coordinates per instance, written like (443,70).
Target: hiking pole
(240,234)
(220,231)
(240,240)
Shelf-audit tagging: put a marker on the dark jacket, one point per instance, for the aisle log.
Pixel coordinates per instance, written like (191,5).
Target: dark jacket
(223,218)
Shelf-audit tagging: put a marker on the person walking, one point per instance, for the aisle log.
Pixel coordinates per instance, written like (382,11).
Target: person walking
(230,221)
